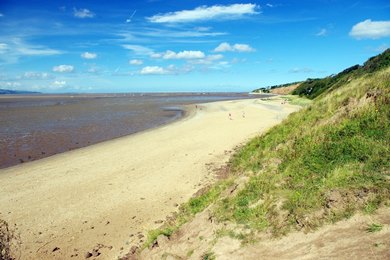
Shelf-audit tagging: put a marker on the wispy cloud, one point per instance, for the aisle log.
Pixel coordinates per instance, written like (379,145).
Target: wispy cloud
(36,75)
(322,32)
(301,70)
(88,55)
(83,13)
(138,49)
(382,48)
(168,70)
(10,84)
(238,47)
(15,48)
(187,55)
(3,47)
(370,29)
(204,13)
(136,62)
(1,15)
(63,68)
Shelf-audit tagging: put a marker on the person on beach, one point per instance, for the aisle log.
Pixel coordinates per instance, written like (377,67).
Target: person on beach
(230,116)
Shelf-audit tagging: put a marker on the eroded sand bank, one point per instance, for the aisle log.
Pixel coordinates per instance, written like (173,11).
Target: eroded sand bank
(106,195)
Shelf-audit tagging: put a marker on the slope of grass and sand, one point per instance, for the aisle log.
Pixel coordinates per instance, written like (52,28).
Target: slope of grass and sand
(101,200)
(327,163)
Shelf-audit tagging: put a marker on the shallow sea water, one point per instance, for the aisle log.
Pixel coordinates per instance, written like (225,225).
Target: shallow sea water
(38,126)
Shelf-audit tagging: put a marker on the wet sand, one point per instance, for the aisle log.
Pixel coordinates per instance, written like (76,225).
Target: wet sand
(37,126)
(106,196)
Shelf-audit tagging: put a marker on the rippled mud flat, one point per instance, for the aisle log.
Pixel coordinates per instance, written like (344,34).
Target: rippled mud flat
(37,126)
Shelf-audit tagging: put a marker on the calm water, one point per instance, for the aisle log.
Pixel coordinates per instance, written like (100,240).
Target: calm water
(37,126)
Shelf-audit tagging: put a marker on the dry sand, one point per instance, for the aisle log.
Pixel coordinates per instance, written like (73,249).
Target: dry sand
(106,196)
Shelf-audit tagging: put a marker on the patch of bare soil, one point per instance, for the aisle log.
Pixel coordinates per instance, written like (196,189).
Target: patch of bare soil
(347,239)
(285,90)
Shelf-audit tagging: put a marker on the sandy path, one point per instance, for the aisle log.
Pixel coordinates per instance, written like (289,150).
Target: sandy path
(104,195)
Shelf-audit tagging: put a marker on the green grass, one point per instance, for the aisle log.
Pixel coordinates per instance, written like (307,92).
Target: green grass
(188,211)
(374,228)
(297,100)
(209,256)
(339,144)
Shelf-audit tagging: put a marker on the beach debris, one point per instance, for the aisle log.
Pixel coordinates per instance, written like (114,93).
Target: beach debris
(55,249)
(88,255)
(158,221)
(162,240)
(133,249)
(95,251)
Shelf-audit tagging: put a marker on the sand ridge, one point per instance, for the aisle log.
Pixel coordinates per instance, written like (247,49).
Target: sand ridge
(102,198)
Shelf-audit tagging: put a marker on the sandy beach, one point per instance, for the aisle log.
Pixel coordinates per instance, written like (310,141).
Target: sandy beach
(106,196)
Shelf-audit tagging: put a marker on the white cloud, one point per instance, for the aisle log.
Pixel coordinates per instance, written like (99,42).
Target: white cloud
(204,13)
(238,47)
(187,55)
(210,59)
(89,55)
(269,5)
(322,32)
(224,47)
(59,83)
(136,62)
(170,70)
(153,70)
(63,68)
(370,29)
(83,13)
(155,55)
(242,48)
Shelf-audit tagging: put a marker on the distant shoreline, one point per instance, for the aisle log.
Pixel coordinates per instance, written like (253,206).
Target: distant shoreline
(38,126)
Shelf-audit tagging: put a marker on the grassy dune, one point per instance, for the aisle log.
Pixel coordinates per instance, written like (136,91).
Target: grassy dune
(321,164)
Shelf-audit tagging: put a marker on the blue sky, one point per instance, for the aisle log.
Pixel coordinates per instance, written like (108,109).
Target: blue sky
(183,45)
